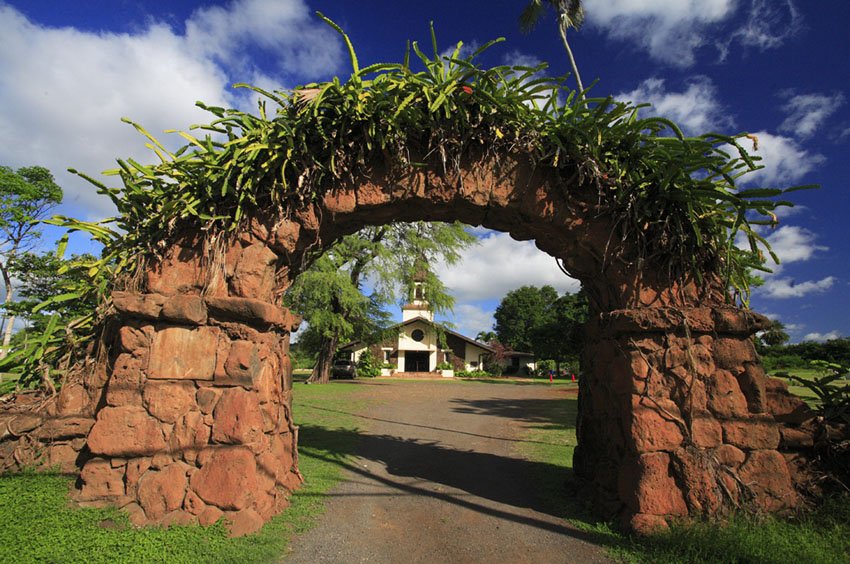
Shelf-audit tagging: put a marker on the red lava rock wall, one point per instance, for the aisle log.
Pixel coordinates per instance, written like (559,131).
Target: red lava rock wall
(195,420)
(190,418)
(677,417)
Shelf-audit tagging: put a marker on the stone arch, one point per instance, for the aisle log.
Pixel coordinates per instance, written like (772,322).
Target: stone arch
(193,412)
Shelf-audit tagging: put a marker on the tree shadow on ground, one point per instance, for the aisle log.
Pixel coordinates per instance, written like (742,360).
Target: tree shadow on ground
(559,413)
(417,425)
(505,480)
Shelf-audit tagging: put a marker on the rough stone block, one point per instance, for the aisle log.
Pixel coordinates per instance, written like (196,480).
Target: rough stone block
(242,366)
(146,306)
(61,456)
(184,308)
(73,400)
(161,492)
(797,438)
(706,431)
(653,425)
(179,272)
(252,311)
(63,428)
(245,522)
(209,515)
(168,401)
(238,419)
(183,353)
(227,479)
(100,480)
(725,397)
(124,386)
(783,405)
(754,433)
(125,431)
(766,474)
(255,273)
(207,399)
(730,455)
(646,485)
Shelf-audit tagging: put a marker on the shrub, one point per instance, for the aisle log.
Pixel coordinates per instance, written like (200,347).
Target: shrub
(544,366)
(473,374)
(831,389)
(783,361)
(367,365)
(444,366)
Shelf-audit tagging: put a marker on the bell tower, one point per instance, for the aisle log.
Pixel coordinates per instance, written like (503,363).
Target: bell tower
(418,306)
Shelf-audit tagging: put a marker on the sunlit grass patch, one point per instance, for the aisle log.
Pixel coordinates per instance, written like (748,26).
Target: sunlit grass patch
(40,524)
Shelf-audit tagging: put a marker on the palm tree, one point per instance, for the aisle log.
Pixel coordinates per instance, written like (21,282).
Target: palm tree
(570,15)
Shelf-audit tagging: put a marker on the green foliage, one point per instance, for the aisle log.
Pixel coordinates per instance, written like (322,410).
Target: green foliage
(473,374)
(561,335)
(26,196)
(544,366)
(773,361)
(830,388)
(801,355)
(40,525)
(673,199)
(773,336)
(660,185)
(520,312)
(537,320)
(44,277)
(367,365)
(444,366)
(66,319)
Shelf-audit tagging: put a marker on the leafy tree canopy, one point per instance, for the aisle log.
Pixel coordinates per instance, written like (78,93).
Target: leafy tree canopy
(535,319)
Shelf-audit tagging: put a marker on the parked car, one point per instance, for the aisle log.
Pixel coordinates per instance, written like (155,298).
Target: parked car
(344,368)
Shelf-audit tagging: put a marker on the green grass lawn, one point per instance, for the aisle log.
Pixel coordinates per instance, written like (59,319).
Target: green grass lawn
(39,524)
(822,536)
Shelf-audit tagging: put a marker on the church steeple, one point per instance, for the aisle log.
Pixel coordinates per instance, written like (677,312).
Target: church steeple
(418,306)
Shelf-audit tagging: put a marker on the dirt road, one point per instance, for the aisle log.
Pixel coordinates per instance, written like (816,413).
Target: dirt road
(439,478)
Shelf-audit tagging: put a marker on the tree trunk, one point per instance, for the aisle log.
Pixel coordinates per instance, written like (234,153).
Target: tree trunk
(9,320)
(572,60)
(324,362)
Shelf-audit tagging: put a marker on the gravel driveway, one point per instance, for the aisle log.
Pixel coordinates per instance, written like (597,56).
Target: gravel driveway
(439,479)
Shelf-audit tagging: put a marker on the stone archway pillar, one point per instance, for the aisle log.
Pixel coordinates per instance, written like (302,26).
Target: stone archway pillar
(674,417)
(195,420)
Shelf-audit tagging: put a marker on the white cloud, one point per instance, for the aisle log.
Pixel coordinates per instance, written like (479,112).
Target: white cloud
(821,337)
(769,24)
(807,112)
(782,288)
(500,264)
(784,161)
(471,319)
(63,91)
(671,31)
(792,243)
(696,109)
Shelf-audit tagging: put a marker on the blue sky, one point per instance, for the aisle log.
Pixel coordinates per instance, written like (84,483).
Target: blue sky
(777,68)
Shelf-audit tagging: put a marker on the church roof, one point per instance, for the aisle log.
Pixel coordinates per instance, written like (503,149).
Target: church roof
(484,346)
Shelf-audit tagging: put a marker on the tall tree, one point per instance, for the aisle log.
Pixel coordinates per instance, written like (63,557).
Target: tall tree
(561,336)
(46,276)
(532,319)
(520,312)
(26,196)
(570,15)
(774,335)
(330,293)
